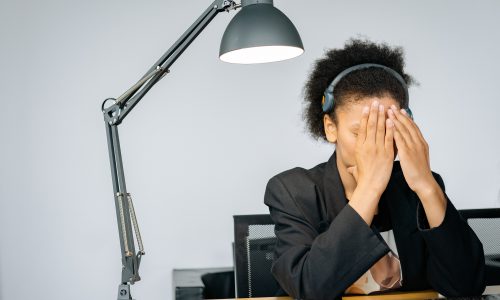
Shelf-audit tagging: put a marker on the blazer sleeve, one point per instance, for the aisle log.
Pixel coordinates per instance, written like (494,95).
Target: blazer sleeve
(313,265)
(455,263)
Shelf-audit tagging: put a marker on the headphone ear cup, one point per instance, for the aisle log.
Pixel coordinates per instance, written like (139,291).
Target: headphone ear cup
(409,112)
(327,102)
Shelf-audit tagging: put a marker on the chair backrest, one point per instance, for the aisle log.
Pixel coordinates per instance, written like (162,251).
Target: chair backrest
(254,242)
(486,224)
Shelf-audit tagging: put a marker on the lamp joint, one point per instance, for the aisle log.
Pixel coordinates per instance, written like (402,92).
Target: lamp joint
(226,5)
(111,113)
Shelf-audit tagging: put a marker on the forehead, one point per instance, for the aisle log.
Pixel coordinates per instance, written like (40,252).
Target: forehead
(349,114)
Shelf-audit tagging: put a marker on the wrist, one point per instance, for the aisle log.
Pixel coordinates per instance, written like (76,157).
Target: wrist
(428,189)
(364,201)
(369,189)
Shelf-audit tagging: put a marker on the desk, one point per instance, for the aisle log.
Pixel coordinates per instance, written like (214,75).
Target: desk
(490,290)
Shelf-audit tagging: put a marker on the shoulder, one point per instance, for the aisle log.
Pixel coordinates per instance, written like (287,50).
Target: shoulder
(296,184)
(298,178)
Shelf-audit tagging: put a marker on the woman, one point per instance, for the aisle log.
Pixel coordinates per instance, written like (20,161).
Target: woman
(362,222)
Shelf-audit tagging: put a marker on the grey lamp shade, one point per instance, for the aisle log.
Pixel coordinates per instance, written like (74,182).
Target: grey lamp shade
(260,33)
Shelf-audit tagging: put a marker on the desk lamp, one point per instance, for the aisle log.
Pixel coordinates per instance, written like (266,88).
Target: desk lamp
(258,33)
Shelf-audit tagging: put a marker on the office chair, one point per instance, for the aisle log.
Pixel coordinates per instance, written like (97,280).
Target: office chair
(254,241)
(486,224)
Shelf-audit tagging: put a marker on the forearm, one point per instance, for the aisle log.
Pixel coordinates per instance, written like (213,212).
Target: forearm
(455,265)
(434,203)
(365,202)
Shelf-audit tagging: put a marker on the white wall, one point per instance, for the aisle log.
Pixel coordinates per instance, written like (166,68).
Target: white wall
(202,144)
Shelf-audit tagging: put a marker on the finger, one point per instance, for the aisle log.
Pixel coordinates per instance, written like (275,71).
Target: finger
(407,123)
(389,136)
(419,135)
(398,138)
(415,126)
(380,125)
(362,125)
(400,128)
(372,122)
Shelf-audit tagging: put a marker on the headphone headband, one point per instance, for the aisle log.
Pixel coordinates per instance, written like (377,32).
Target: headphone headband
(327,102)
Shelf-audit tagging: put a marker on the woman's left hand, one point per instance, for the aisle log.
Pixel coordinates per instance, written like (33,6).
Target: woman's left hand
(413,151)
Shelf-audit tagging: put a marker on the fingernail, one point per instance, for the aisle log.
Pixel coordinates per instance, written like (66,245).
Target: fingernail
(390,113)
(365,109)
(393,107)
(381,108)
(403,111)
(375,103)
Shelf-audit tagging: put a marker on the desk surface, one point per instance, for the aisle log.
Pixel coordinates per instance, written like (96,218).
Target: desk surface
(490,290)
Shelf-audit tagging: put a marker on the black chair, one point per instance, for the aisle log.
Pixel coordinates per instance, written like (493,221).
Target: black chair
(203,283)
(254,242)
(486,224)
(218,285)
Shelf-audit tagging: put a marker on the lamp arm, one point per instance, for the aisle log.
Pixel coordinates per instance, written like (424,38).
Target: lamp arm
(114,114)
(126,102)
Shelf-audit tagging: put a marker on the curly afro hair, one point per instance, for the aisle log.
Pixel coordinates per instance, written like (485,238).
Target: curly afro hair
(356,85)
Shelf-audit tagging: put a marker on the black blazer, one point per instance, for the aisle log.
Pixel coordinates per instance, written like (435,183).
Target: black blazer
(323,245)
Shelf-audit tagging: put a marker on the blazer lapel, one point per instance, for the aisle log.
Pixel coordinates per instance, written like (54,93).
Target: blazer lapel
(333,190)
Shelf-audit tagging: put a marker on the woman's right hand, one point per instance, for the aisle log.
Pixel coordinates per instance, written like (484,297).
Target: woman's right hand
(374,153)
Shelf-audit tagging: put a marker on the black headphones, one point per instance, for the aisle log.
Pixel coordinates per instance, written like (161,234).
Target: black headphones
(328,102)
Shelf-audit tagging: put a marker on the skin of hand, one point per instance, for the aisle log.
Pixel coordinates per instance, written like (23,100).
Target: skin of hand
(364,200)
(342,131)
(412,149)
(374,150)
(374,153)
(413,153)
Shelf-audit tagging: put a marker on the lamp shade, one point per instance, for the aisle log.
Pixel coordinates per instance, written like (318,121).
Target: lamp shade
(260,33)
